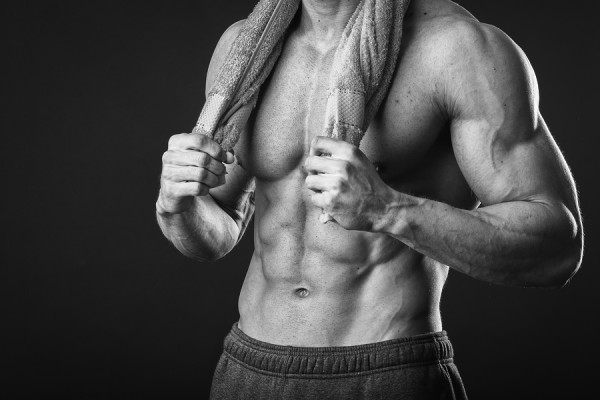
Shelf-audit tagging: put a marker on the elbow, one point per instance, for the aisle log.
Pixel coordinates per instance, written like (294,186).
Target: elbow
(569,267)
(202,258)
(205,256)
(563,278)
(566,265)
(567,259)
(208,251)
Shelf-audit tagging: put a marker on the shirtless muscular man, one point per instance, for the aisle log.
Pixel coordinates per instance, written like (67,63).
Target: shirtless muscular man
(458,169)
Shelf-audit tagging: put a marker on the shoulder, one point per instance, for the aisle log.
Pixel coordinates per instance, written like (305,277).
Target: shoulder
(465,56)
(221,51)
(450,38)
(463,42)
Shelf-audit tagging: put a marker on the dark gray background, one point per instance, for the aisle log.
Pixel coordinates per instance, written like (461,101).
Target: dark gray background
(97,304)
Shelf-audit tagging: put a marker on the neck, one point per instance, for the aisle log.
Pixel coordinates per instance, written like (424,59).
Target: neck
(323,21)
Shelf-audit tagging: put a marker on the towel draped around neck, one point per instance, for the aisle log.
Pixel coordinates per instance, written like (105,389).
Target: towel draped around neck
(362,69)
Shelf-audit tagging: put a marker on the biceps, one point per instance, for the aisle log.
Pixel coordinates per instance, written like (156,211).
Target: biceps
(500,166)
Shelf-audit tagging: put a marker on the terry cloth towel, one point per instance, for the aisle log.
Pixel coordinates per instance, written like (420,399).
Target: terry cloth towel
(361,73)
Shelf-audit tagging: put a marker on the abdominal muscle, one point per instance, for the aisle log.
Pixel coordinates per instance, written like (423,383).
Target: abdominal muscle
(314,284)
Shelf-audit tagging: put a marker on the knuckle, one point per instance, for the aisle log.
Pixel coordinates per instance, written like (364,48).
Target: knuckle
(166,188)
(201,161)
(208,160)
(196,188)
(174,141)
(176,191)
(168,174)
(307,162)
(202,174)
(203,190)
(200,139)
(313,181)
(206,144)
(188,190)
(208,179)
(213,151)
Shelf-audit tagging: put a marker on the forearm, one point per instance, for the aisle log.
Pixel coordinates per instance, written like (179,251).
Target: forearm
(519,243)
(203,232)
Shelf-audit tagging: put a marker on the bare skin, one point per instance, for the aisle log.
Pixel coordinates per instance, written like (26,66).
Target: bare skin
(458,169)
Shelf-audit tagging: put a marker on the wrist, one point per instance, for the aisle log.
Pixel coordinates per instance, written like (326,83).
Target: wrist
(160,210)
(165,208)
(398,220)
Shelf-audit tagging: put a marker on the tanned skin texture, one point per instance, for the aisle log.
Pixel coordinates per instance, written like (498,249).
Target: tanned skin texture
(458,170)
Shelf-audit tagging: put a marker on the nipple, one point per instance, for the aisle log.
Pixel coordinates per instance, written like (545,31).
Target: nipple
(302,292)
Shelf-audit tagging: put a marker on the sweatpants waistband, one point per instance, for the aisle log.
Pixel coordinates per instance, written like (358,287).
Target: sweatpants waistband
(422,349)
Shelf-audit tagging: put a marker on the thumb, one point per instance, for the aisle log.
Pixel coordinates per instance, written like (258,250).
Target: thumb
(229,157)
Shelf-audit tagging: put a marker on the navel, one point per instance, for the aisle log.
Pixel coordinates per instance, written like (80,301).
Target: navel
(302,292)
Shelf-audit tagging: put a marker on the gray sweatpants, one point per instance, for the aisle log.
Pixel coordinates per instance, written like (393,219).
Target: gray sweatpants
(417,367)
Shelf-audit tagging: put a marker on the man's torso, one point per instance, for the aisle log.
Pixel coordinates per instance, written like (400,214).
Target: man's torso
(360,287)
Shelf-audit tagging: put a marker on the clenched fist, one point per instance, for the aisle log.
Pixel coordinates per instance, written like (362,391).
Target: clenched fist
(346,186)
(192,165)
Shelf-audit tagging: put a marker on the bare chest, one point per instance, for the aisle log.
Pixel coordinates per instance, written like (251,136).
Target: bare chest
(408,141)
